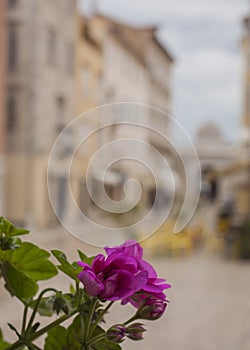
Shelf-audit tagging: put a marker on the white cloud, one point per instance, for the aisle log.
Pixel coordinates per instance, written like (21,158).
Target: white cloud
(205,38)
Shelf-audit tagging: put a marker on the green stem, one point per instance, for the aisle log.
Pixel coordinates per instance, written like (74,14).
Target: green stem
(89,320)
(96,339)
(15,345)
(133,318)
(32,346)
(45,329)
(25,313)
(36,347)
(98,319)
(52,325)
(36,307)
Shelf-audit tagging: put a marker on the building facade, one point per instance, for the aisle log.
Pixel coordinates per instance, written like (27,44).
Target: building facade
(135,68)
(2,103)
(88,74)
(40,102)
(246,83)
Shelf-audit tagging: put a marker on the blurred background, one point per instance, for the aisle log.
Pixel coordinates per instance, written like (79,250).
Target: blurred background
(59,59)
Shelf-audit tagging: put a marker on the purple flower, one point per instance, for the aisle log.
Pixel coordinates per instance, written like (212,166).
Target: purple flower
(113,278)
(152,309)
(154,286)
(123,275)
(116,333)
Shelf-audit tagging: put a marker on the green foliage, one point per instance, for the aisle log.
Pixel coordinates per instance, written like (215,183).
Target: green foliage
(31,260)
(22,266)
(85,258)
(3,344)
(8,233)
(71,270)
(106,345)
(45,307)
(63,303)
(17,282)
(10,230)
(60,338)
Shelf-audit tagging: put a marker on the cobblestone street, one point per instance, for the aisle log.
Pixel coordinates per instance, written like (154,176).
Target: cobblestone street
(209,308)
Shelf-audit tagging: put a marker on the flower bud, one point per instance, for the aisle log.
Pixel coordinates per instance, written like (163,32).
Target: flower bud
(135,331)
(152,309)
(116,333)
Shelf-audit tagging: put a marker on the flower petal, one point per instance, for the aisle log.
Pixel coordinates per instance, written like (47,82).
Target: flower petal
(98,263)
(91,283)
(144,265)
(121,261)
(130,248)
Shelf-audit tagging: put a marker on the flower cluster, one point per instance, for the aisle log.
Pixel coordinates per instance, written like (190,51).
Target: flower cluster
(124,275)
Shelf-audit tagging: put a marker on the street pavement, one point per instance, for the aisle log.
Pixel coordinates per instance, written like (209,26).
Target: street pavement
(209,305)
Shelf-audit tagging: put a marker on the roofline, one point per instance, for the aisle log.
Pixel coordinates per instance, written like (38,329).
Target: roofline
(125,24)
(152,29)
(164,50)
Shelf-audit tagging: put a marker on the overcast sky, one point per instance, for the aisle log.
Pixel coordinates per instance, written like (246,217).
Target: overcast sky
(204,37)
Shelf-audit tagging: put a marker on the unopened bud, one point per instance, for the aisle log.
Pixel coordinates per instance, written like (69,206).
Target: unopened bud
(135,331)
(152,309)
(116,333)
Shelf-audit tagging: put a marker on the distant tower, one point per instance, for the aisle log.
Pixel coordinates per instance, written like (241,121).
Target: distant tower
(246,108)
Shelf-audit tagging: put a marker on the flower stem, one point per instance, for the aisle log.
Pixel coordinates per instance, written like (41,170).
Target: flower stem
(52,325)
(25,313)
(36,307)
(45,329)
(96,339)
(133,318)
(98,319)
(15,345)
(89,320)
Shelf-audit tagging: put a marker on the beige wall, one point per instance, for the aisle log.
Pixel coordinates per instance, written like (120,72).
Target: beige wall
(2,104)
(88,73)
(2,74)
(45,97)
(88,60)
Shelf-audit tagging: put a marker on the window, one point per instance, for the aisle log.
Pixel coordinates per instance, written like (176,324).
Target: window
(70,63)
(60,112)
(12,3)
(85,82)
(12,46)
(52,47)
(11,111)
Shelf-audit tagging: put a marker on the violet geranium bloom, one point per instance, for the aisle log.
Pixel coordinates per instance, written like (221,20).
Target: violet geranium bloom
(154,287)
(113,278)
(123,275)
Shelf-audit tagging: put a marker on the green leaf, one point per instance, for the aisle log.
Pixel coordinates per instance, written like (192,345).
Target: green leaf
(59,338)
(71,270)
(32,261)
(107,345)
(98,331)
(56,339)
(85,258)
(17,282)
(10,230)
(3,344)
